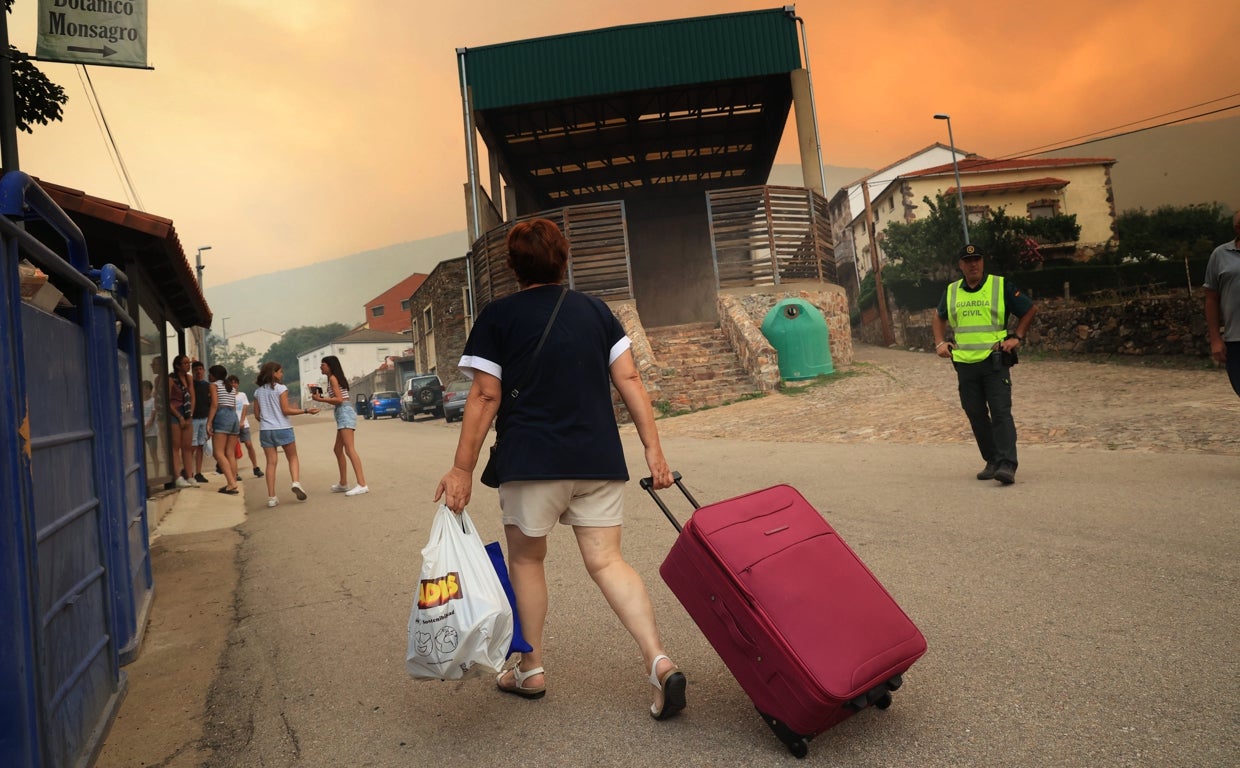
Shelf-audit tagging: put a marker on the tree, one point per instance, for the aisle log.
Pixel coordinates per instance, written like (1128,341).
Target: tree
(234,358)
(296,341)
(929,248)
(36,99)
(1172,231)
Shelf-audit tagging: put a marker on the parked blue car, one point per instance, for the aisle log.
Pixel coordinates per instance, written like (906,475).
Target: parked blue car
(384,404)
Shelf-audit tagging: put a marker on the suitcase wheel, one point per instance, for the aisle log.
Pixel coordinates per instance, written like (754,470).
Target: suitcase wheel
(883,702)
(797,744)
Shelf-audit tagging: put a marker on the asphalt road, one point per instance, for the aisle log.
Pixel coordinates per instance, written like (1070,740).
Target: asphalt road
(1086,616)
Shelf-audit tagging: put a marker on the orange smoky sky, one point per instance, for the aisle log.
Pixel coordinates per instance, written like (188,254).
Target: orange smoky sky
(287,132)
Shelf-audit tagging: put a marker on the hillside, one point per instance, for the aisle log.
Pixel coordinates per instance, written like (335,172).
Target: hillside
(1175,165)
(332,291)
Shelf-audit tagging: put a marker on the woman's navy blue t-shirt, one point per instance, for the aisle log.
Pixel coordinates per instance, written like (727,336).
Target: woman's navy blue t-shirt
(561,425)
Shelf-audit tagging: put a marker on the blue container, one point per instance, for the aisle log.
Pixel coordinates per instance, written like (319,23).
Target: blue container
(74,577)
(798,331)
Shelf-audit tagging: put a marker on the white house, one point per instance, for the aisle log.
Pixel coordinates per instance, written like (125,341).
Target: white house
(360,351)
(848,205)
(260,340)
(1023,187)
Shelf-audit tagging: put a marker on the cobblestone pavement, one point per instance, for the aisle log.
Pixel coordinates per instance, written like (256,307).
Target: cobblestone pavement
(910,397)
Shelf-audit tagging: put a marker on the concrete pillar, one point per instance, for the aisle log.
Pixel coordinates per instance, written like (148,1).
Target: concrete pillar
(807,139)
(497,182)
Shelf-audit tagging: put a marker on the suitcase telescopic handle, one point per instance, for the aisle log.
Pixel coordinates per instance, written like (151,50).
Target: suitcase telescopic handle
(647,484)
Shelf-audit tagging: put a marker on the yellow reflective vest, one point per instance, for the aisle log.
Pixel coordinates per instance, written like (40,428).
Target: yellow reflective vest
(978,319)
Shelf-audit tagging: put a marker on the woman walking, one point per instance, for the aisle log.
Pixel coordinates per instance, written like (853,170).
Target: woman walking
(223,427)
(272,409)
(346,426)
(558,457)
(181,425)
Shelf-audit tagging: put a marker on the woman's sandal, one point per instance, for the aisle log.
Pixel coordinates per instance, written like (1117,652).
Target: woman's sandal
(673,684)
(518,687)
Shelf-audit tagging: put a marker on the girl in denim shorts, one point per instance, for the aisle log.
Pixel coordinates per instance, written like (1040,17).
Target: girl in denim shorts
(272,409)
(223,426)
(346,426)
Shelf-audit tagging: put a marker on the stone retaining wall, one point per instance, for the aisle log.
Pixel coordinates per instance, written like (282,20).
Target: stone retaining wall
(1161,325)
(755,352)
(742,310)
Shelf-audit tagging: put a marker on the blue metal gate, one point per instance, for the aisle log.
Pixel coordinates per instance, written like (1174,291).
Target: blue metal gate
(74,562)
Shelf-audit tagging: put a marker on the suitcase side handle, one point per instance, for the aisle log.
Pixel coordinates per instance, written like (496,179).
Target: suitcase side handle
(647,484)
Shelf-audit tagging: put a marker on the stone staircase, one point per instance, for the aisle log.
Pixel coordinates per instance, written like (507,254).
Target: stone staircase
(696,368)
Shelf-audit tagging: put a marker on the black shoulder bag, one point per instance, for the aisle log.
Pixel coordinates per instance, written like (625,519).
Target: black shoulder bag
(489,475)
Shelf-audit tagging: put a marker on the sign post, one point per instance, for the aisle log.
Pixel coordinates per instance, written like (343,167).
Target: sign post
(108,33)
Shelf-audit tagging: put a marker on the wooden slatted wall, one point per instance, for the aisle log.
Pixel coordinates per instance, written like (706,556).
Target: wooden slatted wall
(765,235)
(598,264)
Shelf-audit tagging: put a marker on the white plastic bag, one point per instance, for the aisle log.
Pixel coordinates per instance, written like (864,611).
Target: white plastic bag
(461,622)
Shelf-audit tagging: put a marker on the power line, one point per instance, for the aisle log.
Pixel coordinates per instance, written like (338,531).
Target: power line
(128,181)
(1058,145)
(94,112)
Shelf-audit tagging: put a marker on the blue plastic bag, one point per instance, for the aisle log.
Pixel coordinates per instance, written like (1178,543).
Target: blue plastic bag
(501,569)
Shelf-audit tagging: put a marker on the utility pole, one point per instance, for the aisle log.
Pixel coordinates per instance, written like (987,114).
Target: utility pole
(8,107)
(206,333)
(888,337)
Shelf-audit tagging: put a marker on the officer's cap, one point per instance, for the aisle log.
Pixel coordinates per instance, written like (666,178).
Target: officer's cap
(970,251)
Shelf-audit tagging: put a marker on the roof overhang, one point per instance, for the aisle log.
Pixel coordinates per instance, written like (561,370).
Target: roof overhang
(118,234)
(1030,185)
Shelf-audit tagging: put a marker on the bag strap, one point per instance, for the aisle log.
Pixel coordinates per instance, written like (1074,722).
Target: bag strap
(512,394)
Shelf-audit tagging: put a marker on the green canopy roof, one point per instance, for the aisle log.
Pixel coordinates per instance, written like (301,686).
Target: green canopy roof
(633,58)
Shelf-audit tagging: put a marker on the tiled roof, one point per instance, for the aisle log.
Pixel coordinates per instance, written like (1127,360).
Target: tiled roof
(369,336)
(986,165)
(163,259)
(1026,185)
(905,159)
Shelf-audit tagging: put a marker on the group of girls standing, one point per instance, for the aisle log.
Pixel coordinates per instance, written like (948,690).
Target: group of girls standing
(271,409)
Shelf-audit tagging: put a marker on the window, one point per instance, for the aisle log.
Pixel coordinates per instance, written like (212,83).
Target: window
(1043,209)
(427,321)
(404,305)
(978,213)
(376,311)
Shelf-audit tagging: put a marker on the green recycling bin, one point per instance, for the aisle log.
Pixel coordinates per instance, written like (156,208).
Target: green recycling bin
(798,331)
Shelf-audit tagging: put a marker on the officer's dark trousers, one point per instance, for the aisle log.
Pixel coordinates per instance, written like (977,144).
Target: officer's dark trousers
(986,396)
(1233,364)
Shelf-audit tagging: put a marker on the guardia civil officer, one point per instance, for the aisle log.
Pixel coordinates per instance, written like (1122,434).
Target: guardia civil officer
(983,352)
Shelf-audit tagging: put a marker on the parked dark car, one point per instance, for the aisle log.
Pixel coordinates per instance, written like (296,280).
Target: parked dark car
(363,406)
(454,400)
(423,394)
(384,404)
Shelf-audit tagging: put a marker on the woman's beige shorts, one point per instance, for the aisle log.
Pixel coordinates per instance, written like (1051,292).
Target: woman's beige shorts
(535,506)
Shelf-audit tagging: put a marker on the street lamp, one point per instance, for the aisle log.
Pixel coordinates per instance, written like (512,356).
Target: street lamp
(198,261)
(964,216)
(224,323)
(206,347)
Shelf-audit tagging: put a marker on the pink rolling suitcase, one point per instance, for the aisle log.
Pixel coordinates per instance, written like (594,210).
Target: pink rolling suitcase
(803,625)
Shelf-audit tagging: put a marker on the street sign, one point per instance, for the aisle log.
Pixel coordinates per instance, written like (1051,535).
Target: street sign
(105,32)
